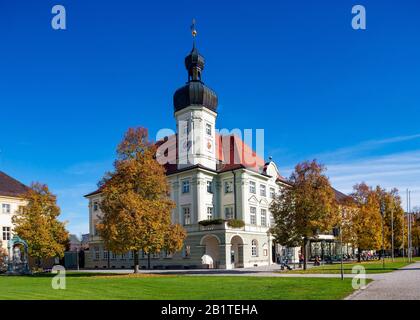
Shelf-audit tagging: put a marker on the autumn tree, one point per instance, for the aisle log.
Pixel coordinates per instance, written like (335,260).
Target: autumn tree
(135,202)
(393,216)
(365,226)
(306,208)
(39,226)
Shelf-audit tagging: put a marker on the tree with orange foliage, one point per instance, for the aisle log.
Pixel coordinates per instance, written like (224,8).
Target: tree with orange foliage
(365,227)
(135,202)
(39,226)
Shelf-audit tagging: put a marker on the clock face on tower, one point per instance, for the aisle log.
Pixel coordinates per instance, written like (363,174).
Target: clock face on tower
(209,145)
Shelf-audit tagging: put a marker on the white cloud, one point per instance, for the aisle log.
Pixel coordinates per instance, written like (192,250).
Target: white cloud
(400,170)
(358,149)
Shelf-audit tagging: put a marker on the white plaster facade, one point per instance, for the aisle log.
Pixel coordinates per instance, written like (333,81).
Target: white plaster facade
(9,206)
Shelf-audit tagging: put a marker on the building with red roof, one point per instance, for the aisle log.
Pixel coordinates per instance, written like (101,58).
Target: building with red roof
(221,186)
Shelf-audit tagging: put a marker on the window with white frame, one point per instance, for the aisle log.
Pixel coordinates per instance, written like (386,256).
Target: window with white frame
(272,193)
(252,187)
(208,129)
(95,206)
(187,215)
(95,229)
(254,248)
(96,253)
(123,256)
(131,254)
(253,215)
(113,256)
(6,233)
(263,192)
(209,213)
(264,217)
(186,186)
(209,186)
(228,186)
(229,213)
(105,255)
(5,208)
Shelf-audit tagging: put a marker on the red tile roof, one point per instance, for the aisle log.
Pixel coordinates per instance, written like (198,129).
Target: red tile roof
(11,187)
(232,153)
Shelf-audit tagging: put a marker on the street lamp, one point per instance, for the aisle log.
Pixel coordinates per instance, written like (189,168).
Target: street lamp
(392,233)
(382,209)
(337,232)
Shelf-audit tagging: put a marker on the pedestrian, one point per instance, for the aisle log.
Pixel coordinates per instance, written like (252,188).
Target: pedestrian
(301,260)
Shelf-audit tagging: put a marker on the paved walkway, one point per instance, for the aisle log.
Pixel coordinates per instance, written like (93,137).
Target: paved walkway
(403,284)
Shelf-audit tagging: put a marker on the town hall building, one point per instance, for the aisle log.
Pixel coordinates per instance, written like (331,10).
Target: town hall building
(222,190)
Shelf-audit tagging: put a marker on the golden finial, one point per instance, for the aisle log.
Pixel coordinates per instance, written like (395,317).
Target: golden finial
(193,30)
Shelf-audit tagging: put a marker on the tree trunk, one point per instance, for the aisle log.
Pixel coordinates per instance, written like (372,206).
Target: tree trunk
(359,255)
(136,261)
(304,251)
(148,261)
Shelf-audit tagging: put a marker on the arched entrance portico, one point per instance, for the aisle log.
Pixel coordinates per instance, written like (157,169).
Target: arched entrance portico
(211,245)
(237,252)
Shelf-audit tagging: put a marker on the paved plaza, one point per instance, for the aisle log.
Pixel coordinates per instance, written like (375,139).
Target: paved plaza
(403,284)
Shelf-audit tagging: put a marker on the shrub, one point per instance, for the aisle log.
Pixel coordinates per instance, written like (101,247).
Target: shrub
(210,222)
(236,223)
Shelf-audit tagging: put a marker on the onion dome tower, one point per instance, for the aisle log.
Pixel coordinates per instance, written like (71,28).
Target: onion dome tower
(195,92)
(195,107)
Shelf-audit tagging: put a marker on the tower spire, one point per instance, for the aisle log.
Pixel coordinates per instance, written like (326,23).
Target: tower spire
(193,32)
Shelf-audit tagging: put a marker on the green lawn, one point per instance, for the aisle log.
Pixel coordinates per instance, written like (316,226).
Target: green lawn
(371,267)
(88,286)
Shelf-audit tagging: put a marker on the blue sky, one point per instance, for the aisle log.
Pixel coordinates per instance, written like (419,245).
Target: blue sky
(297,69)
